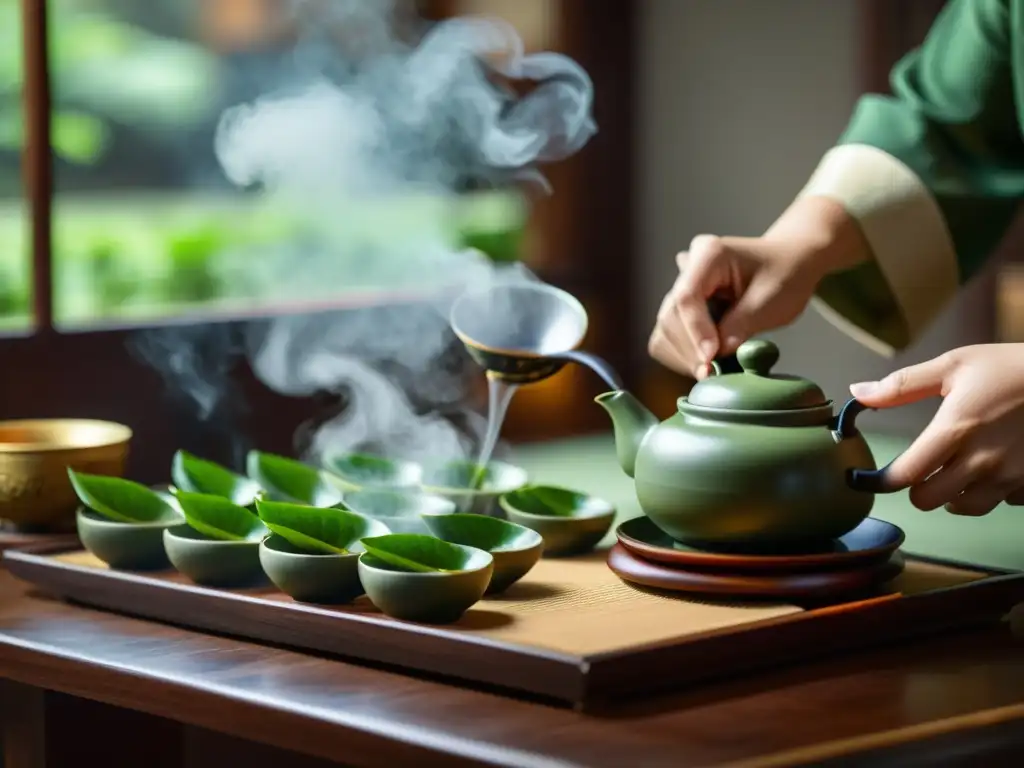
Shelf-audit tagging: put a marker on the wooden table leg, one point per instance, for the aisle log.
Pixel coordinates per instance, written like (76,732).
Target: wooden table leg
(23,713)
(208,749)
(44,729)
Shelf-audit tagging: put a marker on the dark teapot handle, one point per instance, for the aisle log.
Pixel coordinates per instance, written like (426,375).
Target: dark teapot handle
(866,480)
(718,305)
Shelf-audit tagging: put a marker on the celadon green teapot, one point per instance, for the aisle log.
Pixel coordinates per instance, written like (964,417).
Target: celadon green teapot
(751,458)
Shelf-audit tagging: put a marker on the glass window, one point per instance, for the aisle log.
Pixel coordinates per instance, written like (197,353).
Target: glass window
(15,263)
(147,223)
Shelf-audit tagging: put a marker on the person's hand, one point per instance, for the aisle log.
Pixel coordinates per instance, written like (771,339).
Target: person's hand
(764,279)
(970,458)
(769,281)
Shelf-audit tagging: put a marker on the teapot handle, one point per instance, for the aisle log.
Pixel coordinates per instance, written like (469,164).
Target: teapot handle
(866,480)
(718,305)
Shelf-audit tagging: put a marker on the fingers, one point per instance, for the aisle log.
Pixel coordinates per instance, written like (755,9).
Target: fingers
(968,485)
(669,344)
(936,445)
(737,325)
(907,385)
(1016,498)
(978,500)
(975,480)
(967,459)
(703,271)
(685,338)
(966,470)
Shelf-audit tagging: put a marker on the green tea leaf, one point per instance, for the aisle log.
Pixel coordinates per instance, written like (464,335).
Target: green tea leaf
(122,500)
(470,476)
(556,502)
(360,470)
(459,474)
(291,481)
(195,475)
(416,552)
(316,529)
(480,531)
(220,519)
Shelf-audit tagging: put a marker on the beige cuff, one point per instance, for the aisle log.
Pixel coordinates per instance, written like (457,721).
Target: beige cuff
(905,229)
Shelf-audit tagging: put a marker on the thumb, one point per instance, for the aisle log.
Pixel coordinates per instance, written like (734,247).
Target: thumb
(907,385)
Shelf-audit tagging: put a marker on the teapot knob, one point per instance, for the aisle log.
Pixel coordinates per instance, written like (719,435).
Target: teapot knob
(757,356)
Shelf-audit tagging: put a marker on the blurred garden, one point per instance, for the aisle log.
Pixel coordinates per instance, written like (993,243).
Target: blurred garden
(144,223)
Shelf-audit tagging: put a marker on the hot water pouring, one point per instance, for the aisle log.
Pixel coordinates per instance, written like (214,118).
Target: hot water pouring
(521,333)
(751,458)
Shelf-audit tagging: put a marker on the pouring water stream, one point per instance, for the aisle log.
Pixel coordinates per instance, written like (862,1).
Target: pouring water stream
(521,333)
(499,397)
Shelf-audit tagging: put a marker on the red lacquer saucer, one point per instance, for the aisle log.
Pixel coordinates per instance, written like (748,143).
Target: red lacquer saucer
(794,585)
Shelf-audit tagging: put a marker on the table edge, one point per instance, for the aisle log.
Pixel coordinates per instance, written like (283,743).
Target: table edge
(896,737)
(361,734)
(17,657)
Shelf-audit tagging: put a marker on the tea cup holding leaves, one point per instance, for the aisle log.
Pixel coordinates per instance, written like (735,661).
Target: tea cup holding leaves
(219,544)
(474,489)
(421,578)
(515,548)
(354,471)
(121,522)
(572,523)
(312,553)
(288,480)
(195,475)
(401,511)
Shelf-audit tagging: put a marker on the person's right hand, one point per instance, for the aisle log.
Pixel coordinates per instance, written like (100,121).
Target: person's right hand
(769,281)
(765,282)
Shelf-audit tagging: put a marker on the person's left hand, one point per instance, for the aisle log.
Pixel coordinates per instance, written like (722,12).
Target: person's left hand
(970,458)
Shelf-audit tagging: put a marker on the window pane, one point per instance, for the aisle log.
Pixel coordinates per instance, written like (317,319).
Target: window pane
(147,224)
(15,260)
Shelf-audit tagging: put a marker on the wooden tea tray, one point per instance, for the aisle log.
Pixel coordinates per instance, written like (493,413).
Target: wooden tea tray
(570,630)
(10,539)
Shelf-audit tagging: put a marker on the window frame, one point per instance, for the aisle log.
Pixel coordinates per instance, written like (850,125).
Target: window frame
(38,162)
(92,373)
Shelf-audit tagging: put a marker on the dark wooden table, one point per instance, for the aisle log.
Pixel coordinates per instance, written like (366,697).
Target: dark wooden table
(91,688)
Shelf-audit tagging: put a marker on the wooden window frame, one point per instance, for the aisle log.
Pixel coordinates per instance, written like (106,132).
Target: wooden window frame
(92,373)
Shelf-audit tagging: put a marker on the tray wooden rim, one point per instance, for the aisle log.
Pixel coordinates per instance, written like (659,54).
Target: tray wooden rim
(570,678)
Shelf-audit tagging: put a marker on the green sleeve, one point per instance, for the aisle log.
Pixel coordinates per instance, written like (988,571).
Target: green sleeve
(954,121)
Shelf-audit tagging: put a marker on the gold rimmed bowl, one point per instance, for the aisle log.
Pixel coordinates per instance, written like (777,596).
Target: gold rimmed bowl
(35,492)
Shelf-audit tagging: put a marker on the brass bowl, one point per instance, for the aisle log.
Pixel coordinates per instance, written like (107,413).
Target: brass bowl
(35,492)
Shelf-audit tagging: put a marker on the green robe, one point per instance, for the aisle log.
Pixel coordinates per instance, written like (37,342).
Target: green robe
(934,173)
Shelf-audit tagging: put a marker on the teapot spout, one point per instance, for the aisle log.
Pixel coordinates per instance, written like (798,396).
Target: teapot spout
(631,421)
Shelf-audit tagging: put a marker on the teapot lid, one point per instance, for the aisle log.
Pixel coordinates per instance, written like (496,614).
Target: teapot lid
(757,388)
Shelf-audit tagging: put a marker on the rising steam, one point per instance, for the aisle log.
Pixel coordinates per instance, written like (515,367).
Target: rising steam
(379,110)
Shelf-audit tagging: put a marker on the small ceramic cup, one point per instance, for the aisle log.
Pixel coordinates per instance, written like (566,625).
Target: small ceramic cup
(400,511)
(454,481)
(355,471)
(430,598)
(515,548)
(572,523)
(213,563)
(311,578)
(124,546)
